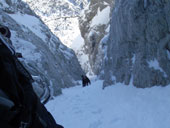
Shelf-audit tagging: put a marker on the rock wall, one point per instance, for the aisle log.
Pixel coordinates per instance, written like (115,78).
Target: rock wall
(139,44)
(94,25)
(51,64)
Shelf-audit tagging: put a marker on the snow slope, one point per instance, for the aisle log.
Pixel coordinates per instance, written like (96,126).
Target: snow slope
(117,106)
(61,16)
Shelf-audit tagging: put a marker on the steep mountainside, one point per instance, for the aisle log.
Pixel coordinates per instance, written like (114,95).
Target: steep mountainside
(139,43)
(94,27)
(51,64)
(61,16)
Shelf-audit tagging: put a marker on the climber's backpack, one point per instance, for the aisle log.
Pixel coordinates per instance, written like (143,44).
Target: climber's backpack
(19,105)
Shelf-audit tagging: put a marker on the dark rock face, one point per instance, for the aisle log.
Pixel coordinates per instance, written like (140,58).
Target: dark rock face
(139,43)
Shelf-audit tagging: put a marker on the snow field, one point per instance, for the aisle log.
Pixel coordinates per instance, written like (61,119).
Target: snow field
(117,106)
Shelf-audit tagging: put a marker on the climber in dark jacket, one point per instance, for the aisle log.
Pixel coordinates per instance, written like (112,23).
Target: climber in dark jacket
(85,80)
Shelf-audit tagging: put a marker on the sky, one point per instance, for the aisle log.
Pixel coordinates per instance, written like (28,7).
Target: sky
(116,106)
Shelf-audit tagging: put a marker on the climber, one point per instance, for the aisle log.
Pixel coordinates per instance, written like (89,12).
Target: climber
(85,80)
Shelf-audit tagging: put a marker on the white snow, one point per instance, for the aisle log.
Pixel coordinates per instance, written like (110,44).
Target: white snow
(78,46)
(155,64)
(117,106)
(30,22)
(68,32)
(105,3)
(27,49)
(108,29)
(102,17)
(78,42)
(133,59)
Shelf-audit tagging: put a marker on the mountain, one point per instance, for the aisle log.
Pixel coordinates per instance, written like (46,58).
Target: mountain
(125,41)
(61,16)
(94,26)
(52,64)
(138,49)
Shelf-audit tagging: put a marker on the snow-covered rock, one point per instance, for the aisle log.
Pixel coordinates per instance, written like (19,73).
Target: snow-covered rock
(61,16)
(94,27)
(51,63)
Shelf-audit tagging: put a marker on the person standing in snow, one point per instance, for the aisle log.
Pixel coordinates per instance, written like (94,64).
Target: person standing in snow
(85,80)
